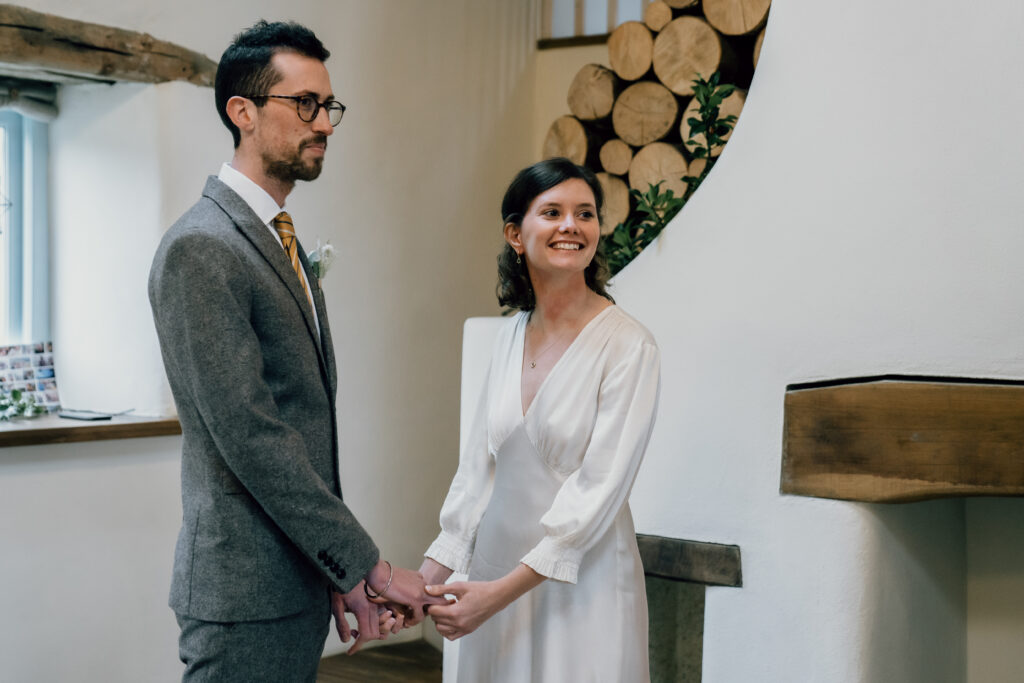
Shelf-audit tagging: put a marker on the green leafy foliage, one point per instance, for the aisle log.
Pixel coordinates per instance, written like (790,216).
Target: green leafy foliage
(17,403)
(655,208)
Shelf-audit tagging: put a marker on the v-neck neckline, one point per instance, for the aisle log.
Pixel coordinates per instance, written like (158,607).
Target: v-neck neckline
(568,349)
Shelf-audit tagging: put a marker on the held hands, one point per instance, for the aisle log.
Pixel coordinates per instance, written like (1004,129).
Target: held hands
(392,598)
(475,602)
(373,622)
(402,591)
(386,601)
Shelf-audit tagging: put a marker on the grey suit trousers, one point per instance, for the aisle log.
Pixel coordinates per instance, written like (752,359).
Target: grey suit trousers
(283,650)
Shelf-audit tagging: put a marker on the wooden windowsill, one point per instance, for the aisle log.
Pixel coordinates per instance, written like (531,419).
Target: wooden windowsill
(572,41)
(50,429)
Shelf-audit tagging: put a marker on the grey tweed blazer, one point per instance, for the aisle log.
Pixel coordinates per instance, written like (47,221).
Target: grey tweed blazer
(264,531)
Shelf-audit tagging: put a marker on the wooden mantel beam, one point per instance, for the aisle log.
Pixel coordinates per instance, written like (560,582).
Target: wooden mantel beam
(45,47)
(899,439)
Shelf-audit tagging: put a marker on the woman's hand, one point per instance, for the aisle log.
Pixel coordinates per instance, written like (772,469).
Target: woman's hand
(477,601)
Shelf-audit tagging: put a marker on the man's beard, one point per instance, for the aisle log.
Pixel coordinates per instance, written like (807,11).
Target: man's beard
(293,168)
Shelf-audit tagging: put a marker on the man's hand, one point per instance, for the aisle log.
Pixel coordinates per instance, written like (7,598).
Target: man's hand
(405,594)
(373,622)
(433,572)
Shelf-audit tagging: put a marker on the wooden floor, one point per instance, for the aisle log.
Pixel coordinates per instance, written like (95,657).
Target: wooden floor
(415,662)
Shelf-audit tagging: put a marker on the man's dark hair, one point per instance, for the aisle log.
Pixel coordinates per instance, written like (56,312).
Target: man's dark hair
(514,286)
(245,68)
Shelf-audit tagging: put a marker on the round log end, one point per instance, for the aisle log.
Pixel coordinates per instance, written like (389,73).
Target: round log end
(736,17)
(644,112)
(592,92)
(616,201)
(658,162)
(630,48)
(657,15)
(684,49)
(615,156)
(697,167)
(566,138)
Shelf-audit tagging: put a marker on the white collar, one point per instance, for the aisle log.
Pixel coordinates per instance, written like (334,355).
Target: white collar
(258,199)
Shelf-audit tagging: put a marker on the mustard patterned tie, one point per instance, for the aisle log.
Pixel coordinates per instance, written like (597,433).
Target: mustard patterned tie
(286,230)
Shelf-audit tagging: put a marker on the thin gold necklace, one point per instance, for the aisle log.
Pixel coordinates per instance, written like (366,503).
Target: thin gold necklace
(537,357)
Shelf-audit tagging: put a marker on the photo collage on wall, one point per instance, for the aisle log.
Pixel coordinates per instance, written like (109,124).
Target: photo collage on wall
(29,367)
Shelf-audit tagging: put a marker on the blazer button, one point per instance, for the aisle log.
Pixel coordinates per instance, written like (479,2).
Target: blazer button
(322,555)
(341,574)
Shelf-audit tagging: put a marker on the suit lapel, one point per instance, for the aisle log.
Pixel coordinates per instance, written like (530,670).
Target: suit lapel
(327,347)
(249,224)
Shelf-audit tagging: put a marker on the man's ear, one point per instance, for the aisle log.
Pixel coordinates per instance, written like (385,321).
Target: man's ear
(513,235)
(242,112)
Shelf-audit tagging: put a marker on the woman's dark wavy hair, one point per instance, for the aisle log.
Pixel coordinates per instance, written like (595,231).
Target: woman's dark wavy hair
(514,287)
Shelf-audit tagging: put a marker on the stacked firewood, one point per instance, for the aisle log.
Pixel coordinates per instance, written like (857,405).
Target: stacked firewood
(630,122)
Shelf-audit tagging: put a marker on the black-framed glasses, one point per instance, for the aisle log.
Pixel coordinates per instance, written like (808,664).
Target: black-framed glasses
(308,108)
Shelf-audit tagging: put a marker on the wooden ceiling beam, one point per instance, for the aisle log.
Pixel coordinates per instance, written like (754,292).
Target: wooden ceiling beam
(47,47)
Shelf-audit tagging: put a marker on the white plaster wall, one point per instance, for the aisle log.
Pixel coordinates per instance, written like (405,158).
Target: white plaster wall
(439,98)
(857,224)
(87,536)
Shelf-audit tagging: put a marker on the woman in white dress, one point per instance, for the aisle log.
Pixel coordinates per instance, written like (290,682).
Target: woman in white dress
(537,513)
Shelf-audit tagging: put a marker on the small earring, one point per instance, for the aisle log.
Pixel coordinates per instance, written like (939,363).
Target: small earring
(519,259)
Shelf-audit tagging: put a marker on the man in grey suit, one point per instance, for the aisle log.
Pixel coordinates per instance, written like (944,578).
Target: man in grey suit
(267,548)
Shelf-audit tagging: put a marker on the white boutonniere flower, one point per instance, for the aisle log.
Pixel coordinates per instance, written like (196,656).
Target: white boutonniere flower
(320,259)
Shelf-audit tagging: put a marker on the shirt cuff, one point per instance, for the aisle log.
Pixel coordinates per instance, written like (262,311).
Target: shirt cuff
(451,551)
(553,561)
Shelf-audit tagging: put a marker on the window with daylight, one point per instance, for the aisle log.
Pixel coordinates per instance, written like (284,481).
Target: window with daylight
(24,230)
(577,18)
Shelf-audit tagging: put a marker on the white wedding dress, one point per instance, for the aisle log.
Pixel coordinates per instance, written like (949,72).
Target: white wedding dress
(550,489)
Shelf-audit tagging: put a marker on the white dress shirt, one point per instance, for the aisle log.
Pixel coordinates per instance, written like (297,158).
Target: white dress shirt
(264,206)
